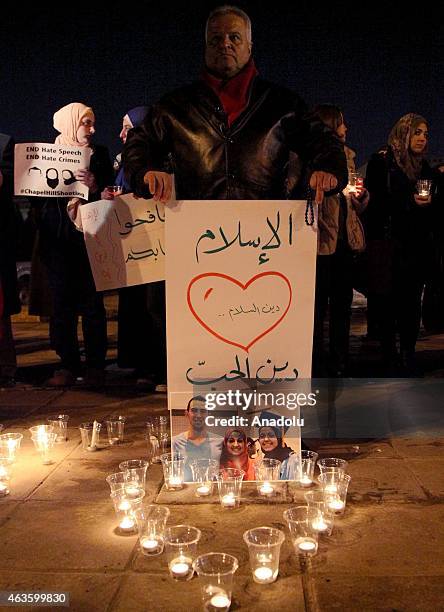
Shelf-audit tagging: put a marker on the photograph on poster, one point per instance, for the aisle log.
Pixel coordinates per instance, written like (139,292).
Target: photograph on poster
(234,437)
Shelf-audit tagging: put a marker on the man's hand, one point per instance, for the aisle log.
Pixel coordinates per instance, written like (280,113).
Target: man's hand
(87,178)
(160,185)
(321,182)
(422,200)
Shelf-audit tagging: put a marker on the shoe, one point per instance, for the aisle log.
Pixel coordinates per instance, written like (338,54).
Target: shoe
(61,378)
(162,388)
(95,377)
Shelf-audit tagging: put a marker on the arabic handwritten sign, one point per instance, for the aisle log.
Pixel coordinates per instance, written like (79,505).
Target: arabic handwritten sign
(240,304)
(125,241)
(48,170)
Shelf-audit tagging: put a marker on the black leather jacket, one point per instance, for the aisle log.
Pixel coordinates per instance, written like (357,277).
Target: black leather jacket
(187,133)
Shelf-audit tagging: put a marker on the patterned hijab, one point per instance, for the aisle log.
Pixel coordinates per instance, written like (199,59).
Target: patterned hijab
(399,142)
(67,121)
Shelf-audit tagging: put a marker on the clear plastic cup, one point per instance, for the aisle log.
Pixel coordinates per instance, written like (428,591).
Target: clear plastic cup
(60,427)
(264,546)
(90,433)
(173,470)
(181,546)
(151,522)
(300,521)
(229,482)
(216,572)
(116,428)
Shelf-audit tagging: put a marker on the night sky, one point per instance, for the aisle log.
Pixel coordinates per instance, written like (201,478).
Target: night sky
(376,61)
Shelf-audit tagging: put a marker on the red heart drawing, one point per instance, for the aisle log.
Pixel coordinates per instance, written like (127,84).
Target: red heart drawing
(245,286)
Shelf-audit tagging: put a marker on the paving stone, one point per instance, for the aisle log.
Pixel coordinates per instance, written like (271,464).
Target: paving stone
(419,447)
(222,531)
(143,592)
(430,473)
(376,480)
(352,450)
(93,593)
(16,398)
(84,480)
(7,508)
(382,593)
(249,495)
(396,540)
(64,536)
(133,447)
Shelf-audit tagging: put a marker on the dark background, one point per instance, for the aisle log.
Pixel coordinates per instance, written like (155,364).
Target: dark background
(377,61)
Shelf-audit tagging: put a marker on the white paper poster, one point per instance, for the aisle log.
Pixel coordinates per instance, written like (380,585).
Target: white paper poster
(47,170)
(240,294)
(125,241)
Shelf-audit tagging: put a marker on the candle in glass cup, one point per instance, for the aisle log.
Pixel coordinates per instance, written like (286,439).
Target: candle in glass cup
(220,601)
(228,500)
(180,567)
(175,482)
(203,490)
(263,575)
(127,524)
(336,505)
(320,525)
(305,481)
(266,489)
(149,544)
(306,545)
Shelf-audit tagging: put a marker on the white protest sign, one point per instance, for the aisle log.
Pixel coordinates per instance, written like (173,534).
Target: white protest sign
(240,293)
(47,170)
(125,241)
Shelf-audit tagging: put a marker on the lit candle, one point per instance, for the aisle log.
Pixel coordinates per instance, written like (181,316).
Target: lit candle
(263,574)
(180,567)
(133,491)
(127,523)
(306,481)
(331,488)
(3,490)
(93,445)
(148,544)
(175,482)
(124,505)
(307,545)
(220,600)
(228,501)
(319,525)
(203,490)
(336,504)
(266,489)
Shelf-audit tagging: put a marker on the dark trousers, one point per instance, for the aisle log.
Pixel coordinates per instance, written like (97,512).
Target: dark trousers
(334,291)
(73,293)
(142,329)
(399,308)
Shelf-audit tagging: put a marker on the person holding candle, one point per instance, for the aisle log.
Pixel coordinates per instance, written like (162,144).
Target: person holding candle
(399,228)
(235,453)
(340,238)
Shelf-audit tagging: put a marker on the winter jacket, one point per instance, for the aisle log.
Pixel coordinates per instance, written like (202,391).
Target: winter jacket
(187,133)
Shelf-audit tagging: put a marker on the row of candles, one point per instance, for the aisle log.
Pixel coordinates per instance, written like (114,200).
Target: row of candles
(215,570)
(44,437)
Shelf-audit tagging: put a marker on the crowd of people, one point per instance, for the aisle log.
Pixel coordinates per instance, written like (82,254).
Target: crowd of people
(233,135)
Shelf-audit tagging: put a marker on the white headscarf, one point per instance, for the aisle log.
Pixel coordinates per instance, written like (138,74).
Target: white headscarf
(67,121)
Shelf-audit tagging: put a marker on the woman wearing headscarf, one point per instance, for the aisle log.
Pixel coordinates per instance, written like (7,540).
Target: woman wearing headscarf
(62,251)
(273,446)
(399,225)
(141,341)
(235,453)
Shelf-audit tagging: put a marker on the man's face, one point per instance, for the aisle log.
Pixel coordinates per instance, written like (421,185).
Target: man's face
(228,49)
(196,416)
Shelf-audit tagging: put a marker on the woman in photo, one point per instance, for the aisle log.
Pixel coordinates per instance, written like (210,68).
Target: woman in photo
(235,453)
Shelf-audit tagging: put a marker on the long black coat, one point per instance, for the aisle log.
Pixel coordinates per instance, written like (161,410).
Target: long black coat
(8,228)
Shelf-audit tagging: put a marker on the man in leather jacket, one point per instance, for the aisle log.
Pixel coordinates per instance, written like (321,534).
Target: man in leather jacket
(228,136)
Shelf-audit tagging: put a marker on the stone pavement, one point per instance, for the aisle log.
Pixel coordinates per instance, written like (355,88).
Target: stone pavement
(57,527)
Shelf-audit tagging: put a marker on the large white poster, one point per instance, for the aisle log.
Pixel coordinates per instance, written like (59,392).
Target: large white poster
(125,241)
(48,170)
(240,294)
